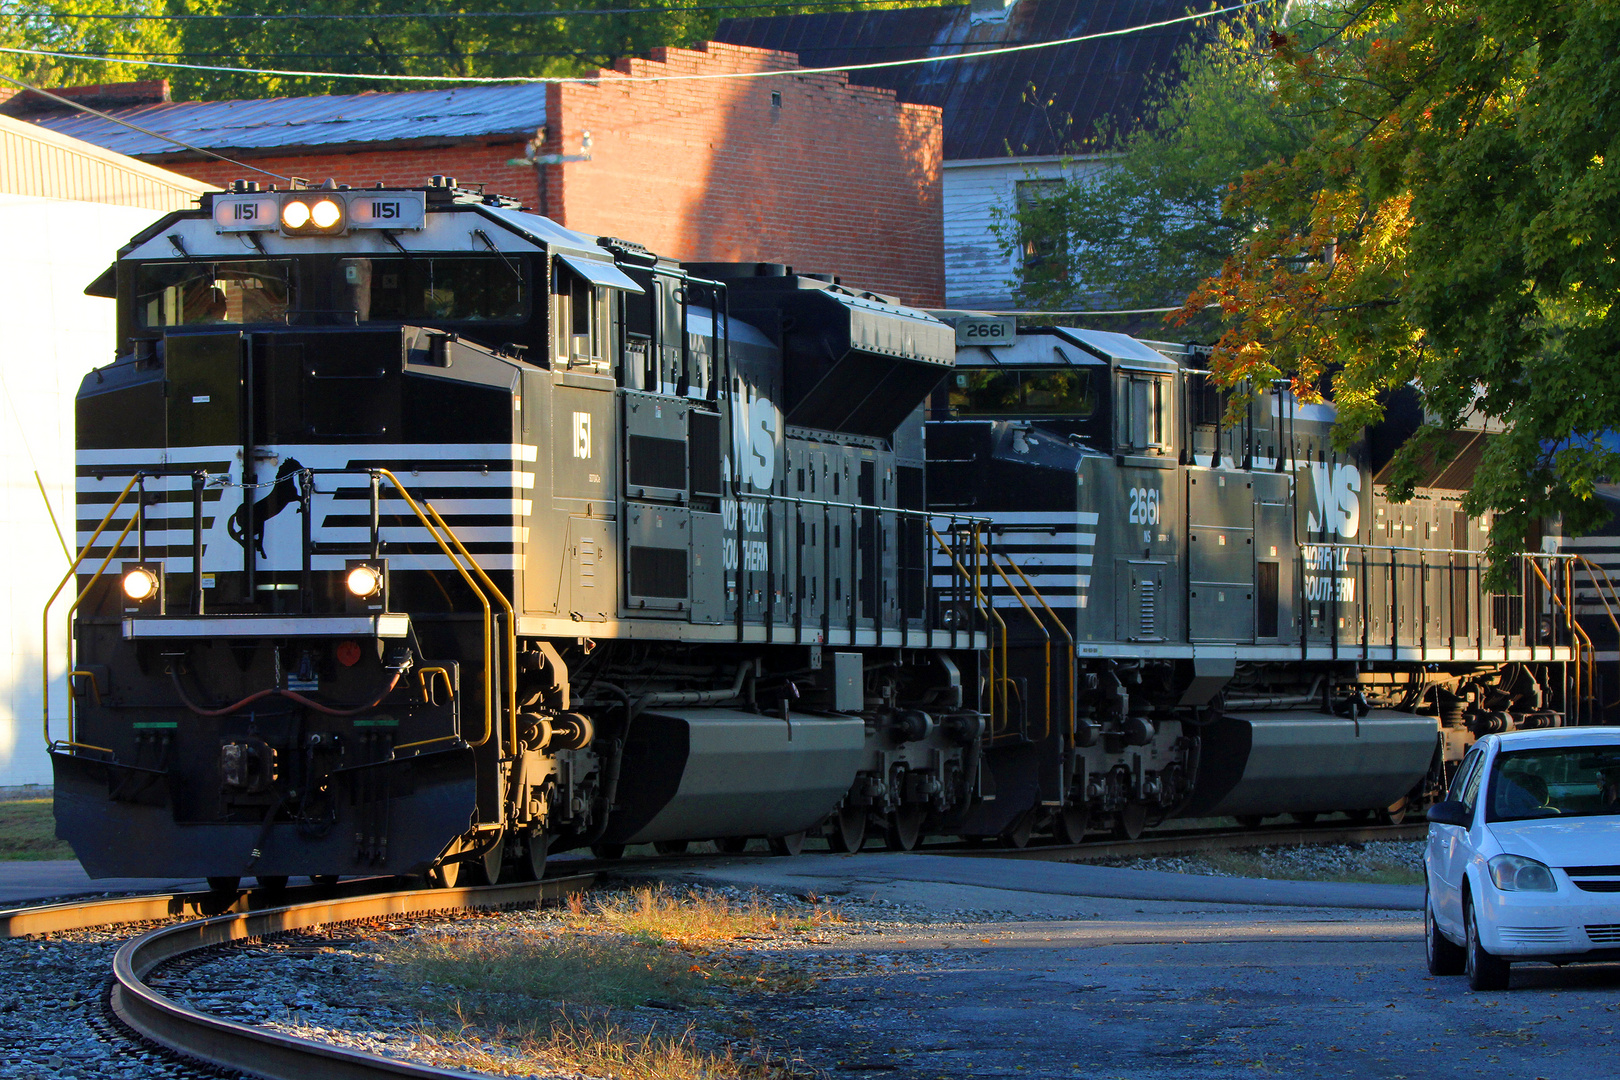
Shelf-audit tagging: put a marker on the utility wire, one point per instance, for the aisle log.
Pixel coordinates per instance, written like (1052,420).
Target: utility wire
(676,9)
(613,77)
(136,127)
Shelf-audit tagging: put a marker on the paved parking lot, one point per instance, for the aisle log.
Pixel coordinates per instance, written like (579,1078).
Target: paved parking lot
(1068,985)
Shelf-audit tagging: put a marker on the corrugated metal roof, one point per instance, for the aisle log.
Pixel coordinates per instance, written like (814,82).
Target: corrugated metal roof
(325,120)
(985,111)
(49,165)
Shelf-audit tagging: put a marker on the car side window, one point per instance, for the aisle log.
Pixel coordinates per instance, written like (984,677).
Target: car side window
(1470,791)
(1465,773)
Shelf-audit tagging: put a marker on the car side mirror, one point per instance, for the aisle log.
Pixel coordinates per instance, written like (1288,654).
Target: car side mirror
(1450,812)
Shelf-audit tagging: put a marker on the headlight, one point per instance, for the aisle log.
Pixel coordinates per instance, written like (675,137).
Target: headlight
(325,214)
(364,581)
(140,584)
(1515,873)
(295,214)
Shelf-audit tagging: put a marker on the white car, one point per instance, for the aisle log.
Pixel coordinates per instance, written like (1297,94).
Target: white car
(1523,861)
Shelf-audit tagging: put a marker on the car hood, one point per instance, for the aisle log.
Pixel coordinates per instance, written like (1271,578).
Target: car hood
(1592,841)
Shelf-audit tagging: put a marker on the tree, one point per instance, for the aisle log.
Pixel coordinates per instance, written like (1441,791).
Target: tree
(500,38)
(33,24)
(1452,224)
(1139,218)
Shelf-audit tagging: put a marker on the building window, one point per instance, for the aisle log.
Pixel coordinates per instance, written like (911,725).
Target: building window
(1040,226)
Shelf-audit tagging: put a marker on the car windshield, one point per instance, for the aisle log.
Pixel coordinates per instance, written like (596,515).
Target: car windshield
(1563,781)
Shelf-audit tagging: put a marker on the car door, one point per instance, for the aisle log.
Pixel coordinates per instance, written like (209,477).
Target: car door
(1449,847)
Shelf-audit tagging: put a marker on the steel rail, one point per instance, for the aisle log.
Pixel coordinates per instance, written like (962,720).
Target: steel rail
(228,1044)
(1194,841)
(156,907)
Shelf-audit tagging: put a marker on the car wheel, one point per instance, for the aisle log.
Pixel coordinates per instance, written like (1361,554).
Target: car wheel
(1445,956)
(1485,972)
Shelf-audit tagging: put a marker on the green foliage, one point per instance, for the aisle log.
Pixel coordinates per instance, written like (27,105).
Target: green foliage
(1139,219)
(259,34)
(28,24)
(1450,224)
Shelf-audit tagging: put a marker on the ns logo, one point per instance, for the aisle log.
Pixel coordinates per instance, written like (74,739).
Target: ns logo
(1336,507)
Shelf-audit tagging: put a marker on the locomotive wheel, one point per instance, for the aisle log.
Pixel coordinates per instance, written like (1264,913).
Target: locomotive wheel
(791,844)
(224,884)
(271,882)
(1132,820)
(608,851)
(1394,814)
(446,875)
(846,831)
(1358,815)
(902,828)
(732,845)
(535,851)
(486,869)
(1018,833)
(1069,824)
(669,847)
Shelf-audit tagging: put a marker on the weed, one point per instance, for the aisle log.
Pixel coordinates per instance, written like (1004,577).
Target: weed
(28,831)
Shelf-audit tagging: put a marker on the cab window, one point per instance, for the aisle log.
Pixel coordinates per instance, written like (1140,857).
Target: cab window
(1065,392)
(580,318)
(432,289)
(205,293)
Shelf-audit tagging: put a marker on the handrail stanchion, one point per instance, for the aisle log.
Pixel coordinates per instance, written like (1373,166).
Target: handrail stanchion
(472,583)
(45,617)
(1074,673)
(511,625)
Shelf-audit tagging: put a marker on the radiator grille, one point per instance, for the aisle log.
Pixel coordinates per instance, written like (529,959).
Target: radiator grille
(1604,934)
(703,445)
(657,462)
(658,572)
(1597,885)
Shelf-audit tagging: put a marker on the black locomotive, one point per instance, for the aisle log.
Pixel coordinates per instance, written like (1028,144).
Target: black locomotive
(423,535)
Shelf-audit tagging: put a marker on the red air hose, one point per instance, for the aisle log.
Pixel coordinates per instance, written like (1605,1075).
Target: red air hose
(300,698)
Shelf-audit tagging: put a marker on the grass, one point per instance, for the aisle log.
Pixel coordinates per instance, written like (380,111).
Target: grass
(1258,863)
(560,993)
(28,831)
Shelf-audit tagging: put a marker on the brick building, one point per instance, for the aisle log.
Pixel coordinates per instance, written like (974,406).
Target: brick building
(797,168)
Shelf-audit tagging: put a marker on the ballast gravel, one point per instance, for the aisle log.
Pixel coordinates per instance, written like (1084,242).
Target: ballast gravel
(1311,862)
(52,1018)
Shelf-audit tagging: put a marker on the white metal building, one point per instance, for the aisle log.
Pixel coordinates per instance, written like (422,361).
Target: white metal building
(66,207)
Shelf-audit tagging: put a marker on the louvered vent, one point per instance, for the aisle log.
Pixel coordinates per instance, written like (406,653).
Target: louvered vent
(1604,934)
(1148,628)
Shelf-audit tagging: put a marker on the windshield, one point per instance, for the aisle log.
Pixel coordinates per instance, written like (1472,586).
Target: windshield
(224,291)
(1564,781)
(1027,392)
(454,289)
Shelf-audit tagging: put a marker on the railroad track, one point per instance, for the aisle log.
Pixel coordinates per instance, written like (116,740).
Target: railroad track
(228,1045)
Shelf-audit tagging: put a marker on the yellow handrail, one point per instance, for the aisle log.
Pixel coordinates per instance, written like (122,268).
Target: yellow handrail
(1074,664)
(45,616)
(1609,584)
(1577,629)
(980,606)
(982,549)
(511,628)
(1044,633)
(489,634)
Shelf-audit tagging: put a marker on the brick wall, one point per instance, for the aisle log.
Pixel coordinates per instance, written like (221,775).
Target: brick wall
(469,163)
(835,179)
